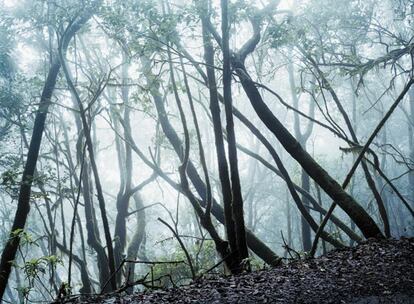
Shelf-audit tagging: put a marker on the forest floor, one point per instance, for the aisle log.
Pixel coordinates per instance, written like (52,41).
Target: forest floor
(372,272)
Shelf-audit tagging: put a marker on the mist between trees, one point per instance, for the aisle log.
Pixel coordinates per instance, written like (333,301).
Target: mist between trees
(145,144)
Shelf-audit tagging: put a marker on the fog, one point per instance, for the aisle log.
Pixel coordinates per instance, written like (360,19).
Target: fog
(131,136)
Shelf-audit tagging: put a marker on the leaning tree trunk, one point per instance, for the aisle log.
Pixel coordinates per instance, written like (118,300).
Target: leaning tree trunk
(367,174)
(362,219)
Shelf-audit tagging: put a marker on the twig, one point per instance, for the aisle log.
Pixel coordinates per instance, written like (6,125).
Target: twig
(215,266)
(193,274)
(288,248)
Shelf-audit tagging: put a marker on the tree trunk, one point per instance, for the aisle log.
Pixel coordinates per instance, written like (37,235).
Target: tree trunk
(411,141)
(136,241)
(237,199)
(302,138)
(125,167)
(219,142)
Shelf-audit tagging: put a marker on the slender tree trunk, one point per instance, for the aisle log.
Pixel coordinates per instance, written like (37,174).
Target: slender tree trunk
(302,138)
(136,241)
(411,141)
(237,199)
(288,222)
(219,142)
(252,191)
(87,286)
(318,191)
(384,190)
(125,167)
(75,180)
(306,230)
(92,231)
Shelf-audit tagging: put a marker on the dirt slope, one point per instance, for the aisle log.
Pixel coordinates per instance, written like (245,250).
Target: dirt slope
(373,272)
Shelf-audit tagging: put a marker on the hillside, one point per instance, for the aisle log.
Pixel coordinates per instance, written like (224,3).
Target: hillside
(372,272)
